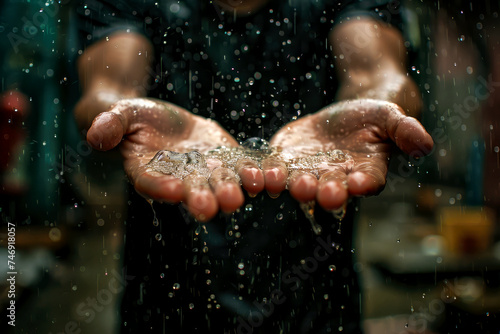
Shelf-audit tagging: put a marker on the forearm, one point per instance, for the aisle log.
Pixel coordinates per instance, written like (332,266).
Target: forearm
(111,70)
(370,58)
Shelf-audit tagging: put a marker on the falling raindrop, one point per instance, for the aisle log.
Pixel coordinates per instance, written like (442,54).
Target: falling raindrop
(308,209)
(155,219)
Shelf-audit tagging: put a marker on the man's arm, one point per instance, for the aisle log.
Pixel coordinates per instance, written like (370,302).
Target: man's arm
(114,74)
(110,70)
(376,97)
(370,58)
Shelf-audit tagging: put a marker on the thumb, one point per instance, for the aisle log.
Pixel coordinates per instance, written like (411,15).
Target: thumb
(408,134)
(106,131)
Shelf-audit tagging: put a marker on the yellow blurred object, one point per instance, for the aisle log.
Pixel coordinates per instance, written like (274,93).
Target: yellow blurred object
(467,230)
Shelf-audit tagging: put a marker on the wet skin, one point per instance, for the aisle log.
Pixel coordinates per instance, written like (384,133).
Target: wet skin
(364,125)
(366,129)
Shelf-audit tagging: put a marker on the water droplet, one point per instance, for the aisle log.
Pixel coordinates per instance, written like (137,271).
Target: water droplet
(241,265)
(158,236)
(256,144)
(176,286)
(332,268)
(191,306)
(308,209)
(339,213)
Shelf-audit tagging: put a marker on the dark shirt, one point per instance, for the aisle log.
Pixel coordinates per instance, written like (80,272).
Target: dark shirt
(261,269)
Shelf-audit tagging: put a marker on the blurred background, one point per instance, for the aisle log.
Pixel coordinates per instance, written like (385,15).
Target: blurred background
(427,247)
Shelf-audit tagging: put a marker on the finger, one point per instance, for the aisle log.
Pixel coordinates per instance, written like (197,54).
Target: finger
(367,179)
(303,186)
(106,131)
(252,177)
(159,187)
(275,175)
(200,200)
(226,187)
(408,134)
(332,189)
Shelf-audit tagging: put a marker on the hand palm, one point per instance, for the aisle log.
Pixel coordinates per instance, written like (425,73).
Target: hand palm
(144,126)
(363,129)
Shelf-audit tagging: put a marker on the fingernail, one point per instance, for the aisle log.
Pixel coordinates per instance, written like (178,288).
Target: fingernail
(274,172)
(254,172)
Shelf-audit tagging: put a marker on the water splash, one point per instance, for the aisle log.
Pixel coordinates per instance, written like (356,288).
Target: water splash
(182,164)
(179,165)
(319,162)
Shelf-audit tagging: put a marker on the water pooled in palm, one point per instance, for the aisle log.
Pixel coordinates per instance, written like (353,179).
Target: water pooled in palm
(182,164)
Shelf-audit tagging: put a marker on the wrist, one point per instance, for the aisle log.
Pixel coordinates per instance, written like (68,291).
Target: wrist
(396,88)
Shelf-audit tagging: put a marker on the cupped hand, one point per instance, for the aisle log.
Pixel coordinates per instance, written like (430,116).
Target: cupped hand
(365,131)
(142,127)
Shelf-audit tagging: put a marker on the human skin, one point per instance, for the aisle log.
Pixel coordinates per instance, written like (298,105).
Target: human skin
(376,97)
